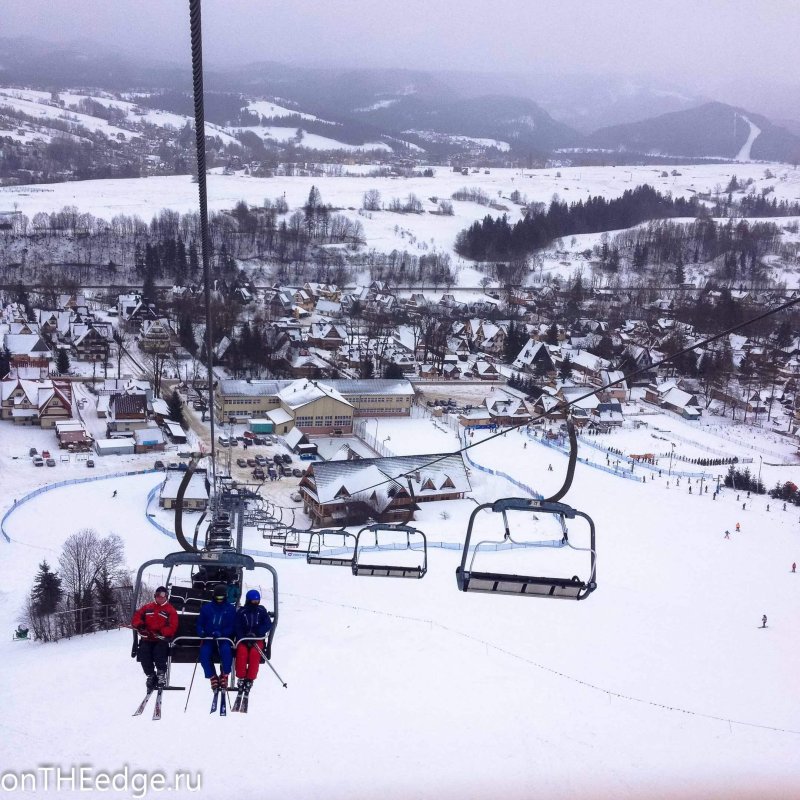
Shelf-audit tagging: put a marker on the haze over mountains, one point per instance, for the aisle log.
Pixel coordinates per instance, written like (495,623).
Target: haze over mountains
(580,118)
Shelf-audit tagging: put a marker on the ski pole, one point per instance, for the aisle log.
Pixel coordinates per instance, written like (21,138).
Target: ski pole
(191,683)
(261,653)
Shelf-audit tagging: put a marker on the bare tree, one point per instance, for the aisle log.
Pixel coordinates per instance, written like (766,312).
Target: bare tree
(372,200)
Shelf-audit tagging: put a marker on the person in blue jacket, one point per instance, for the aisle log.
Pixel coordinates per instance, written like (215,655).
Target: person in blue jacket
(216,623)
(252,624)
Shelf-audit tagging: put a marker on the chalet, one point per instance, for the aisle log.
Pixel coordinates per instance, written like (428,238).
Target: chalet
(155,335)
(327,335)
(89,344)
(669,396)
(588,364)
(41,403)
(619,389)
(485,371)
(127,412)
(507,410)
(53,323)
(27,350)
(535,358)
(302,364)
(384,489)
(328,308)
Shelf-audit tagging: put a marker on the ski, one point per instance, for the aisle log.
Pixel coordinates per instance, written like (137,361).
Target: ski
(143,704)
(214,701)
(223,704)
(237,703)
(245,702)
(157,709)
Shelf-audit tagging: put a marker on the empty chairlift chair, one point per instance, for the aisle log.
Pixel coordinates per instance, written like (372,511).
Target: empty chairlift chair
(533,583)
(331,547)
(375,545)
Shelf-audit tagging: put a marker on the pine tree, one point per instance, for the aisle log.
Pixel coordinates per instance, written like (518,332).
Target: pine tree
(175,405)
(565,370)
(46,593)
(680,273)
(5,362)
(62,361)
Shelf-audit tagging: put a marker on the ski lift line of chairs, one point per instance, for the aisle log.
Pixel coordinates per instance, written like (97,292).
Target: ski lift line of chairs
(415,541)
(218,562)
(573,588)
(339,548)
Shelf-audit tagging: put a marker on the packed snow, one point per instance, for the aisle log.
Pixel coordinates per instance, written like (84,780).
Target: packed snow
(661,683)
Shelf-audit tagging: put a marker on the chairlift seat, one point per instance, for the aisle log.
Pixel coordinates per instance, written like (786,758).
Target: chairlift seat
(502,583)
(389,571)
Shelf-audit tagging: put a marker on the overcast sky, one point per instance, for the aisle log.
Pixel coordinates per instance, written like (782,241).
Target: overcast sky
(686,39)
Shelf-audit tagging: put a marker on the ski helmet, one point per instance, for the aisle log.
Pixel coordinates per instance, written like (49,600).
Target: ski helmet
(253,596)
(220,590)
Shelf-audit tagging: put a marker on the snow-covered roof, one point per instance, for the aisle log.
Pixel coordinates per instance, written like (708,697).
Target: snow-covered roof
(196,490)
(359,477)
(302,392)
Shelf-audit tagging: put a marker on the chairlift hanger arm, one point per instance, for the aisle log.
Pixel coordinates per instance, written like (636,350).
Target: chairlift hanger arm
(573,458)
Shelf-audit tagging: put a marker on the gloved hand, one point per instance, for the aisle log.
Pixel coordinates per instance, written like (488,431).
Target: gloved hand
(216,634)
(141,627)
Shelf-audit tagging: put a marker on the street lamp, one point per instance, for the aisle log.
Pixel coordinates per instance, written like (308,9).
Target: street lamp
(672,445)
(760,462)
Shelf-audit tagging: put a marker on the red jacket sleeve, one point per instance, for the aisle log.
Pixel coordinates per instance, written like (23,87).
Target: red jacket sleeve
(171,628)
(137,617)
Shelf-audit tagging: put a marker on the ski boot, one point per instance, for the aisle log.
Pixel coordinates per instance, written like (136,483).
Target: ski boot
(214,683)
(152,681)
(161,679)
(223,681)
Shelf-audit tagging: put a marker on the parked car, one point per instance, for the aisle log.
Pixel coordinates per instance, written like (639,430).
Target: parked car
(261,461)
(51,462)
(286,458)
(45,454)
(173,465)
(38,461)
(272,473)
(296,496)
(277,459)
(286,472)
(240,462)
(258,474)
(259,440)
(199,405)
(33,452)
(298,473)
(251,462)
(159,465)
(90,463)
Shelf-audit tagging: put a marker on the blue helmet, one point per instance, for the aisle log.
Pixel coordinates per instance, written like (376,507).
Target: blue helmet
(253,596)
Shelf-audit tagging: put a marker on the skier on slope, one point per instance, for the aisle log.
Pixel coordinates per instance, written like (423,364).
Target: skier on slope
(216,623)
(157,623)
(253,624)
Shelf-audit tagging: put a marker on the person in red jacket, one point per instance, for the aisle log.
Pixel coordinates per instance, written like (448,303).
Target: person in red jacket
(157,623)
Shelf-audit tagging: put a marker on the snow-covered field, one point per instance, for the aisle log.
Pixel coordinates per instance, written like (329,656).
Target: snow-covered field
(660,684)
(385,230)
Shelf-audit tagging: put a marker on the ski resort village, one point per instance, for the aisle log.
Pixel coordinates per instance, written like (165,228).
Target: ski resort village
(395,437)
